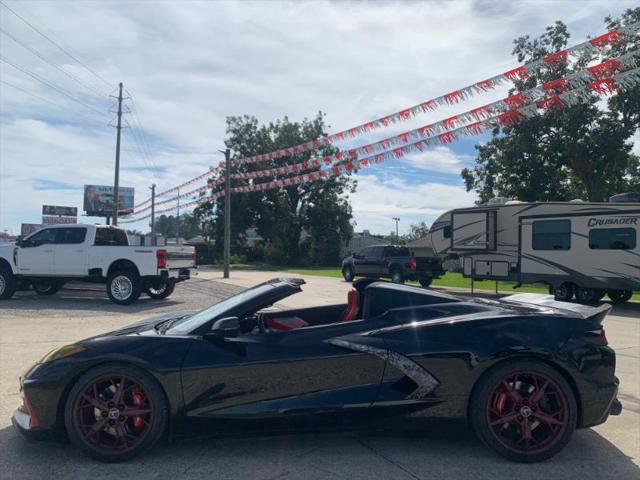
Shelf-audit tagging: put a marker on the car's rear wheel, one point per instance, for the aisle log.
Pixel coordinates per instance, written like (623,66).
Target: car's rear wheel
(124,287)
(397,277)
(619,296)
(7,283)
(347,273)
(524,410)
(161,289)
(115,412)
(46,287)
(564,292)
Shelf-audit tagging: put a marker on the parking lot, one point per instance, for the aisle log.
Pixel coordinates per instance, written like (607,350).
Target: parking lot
(31,325)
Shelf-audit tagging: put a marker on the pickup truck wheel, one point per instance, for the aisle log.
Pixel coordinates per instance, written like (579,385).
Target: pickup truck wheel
(7,283)
(397,277)
(46,287)
(425,282)
(161,289)
(347,273)
(124,287)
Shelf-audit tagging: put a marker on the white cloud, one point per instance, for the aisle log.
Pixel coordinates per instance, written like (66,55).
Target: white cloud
(191,64)
(378,200)
(439,159)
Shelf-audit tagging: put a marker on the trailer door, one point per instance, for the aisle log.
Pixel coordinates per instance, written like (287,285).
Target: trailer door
(473,230)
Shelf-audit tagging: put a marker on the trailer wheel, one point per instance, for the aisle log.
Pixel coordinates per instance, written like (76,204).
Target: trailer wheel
(587,295)
(619,296)
(564,292)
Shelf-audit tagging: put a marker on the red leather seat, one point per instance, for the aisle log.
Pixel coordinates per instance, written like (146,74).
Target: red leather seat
(285,323)
(353,304)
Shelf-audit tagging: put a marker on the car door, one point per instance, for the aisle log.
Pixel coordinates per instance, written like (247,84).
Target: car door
(35,255)
(360,261)
(71,255)
(262,375)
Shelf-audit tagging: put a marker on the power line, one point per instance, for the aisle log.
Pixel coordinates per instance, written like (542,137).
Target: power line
(62,107)
(143,133)
(34,28)
(51,85)
(57,67)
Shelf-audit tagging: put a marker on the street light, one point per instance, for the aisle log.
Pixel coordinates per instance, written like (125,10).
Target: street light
(397,220)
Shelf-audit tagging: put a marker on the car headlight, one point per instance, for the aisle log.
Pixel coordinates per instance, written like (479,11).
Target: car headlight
(62,352)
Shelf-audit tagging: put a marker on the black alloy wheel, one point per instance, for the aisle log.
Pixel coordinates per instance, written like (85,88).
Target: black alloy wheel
(347,273)
(619,296)
(115,412)
(161,289)
(564,292)
(524,410)
(46,287)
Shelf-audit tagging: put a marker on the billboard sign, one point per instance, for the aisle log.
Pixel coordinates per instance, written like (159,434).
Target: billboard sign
(98,200)
(51,220)
(29,228)
(55,210)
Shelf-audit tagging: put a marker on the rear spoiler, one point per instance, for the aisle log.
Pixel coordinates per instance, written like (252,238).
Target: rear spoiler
(587,312)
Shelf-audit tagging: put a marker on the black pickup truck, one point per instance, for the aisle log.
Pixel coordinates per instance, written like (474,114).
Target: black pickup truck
(393,262)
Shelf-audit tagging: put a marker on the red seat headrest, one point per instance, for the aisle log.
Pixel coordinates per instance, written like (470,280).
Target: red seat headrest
(353,301)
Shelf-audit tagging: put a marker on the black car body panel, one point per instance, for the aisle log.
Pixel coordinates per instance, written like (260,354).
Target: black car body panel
(409,350)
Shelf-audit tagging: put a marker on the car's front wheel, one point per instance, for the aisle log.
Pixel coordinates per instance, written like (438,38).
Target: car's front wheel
(7,283)
(524,410)
(161,289)
(115,412)
(347,273)
(124,287)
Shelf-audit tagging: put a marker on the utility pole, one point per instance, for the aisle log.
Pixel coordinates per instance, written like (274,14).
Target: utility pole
(227,212)
(397,220)
(153,214)
(116,180)
(178,219)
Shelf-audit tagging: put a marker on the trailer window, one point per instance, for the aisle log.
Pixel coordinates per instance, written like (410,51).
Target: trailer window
(612,239)
(552,235)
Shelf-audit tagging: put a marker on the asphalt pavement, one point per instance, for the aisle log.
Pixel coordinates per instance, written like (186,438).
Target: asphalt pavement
(32,325)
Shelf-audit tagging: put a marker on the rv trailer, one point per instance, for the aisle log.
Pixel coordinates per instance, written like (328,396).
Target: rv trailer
(578,248)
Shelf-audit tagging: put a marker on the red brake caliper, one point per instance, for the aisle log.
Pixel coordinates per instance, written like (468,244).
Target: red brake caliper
(137,397)
(499,402)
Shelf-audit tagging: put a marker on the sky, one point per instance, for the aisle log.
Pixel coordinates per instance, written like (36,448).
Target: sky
(187,65)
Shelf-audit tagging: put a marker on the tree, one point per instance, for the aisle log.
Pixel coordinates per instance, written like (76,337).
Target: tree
(187,225)
(576,152)
(306,223)
(417,231)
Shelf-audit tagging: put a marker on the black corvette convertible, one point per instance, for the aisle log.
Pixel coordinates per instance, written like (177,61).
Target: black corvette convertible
(526,371)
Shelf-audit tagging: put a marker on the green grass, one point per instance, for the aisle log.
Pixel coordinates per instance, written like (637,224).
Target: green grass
(449,279)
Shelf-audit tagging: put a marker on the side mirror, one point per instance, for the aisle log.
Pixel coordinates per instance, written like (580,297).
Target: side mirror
(226,327)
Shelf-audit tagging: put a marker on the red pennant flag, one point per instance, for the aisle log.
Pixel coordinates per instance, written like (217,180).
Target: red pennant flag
(509,117)
(403,137)
(610,38)
(406,114)
(480,112)
(353,132)
(556,86)
(519,73)
(338,155)
(474,128)
(605,69)
(368,126)
(450,122)
(348,166)
(550,102)
(364,162)
(446,137)
(353,152)
(484,85)
(556,58)
(397,152)
(335,170)
(295,149)
(603,86)
(429,105)
(340,135)
(426,130)
(316,143)
(453,97)
(386,120)
(367,148)
(516,100)
(379,158)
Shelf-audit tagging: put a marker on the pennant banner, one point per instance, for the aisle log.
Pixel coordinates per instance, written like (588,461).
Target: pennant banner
(602,86)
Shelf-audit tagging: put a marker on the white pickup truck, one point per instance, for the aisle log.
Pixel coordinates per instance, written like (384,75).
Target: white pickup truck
(56,254)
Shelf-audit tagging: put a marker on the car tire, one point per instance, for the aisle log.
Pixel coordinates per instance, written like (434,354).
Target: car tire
(508,418)
(425,281)
(46,287)
(347,273)
(586,295)
(7,283)
(397,276)
(124,287)
(98,423)
(564,292)
(165,288)
(619,296)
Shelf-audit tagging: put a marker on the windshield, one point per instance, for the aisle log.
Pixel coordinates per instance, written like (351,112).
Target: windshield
(188,324)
